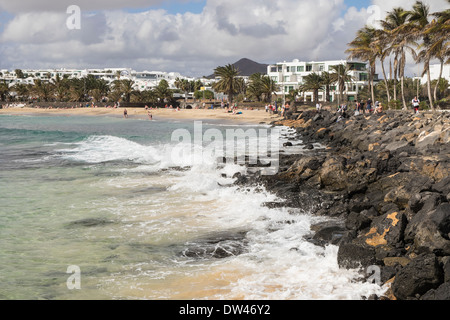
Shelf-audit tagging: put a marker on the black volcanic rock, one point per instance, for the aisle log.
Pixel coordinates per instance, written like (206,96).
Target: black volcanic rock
(386,177)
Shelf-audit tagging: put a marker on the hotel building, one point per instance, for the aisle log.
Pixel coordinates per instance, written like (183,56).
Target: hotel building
(144,80)
(290,76)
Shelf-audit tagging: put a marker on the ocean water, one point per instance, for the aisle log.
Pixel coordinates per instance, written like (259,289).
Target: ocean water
(140,221)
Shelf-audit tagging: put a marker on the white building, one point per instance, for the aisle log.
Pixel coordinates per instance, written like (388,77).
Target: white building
(289,76)
(435,69)
(144,80)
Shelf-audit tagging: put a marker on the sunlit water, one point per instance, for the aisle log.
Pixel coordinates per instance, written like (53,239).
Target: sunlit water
(104,194)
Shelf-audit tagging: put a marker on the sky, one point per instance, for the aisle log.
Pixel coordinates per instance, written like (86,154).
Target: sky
(191,37)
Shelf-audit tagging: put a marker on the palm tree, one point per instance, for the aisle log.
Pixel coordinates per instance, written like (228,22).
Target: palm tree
(394,21)
(268,87)
(185,86)
(403,39)
(196,85)
(228,83)
(19,73)
(382,50)
(362,47)
(418,19)
(313,82)
(437,32)
(341,75)
(127,88)
(149,96)
(4,91)
(22,91)
(76,90)
(327,81)
(163,91)
(61,87)
(44,90)
(254,88)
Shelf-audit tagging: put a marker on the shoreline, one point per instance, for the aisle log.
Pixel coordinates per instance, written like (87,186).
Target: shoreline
(247,116)
(386,179)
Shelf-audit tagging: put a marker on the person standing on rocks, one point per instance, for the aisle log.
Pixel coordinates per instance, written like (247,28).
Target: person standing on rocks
(416,104)
(369,106)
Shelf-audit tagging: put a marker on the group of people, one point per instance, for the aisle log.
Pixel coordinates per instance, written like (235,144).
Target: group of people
(280,110)
(368,107)
(149,113)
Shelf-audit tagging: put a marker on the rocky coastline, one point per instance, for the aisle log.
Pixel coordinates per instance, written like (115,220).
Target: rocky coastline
(385,178)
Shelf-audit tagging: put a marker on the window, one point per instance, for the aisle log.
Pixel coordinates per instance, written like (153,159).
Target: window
(287,69)
(288,89)
(308,68)
(321,67)
(301,69)
(273,69)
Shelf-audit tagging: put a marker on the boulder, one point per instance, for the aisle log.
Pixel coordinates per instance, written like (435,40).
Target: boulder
(426,201)
(429,231)
(417,277)
(442,186)
(446,268)
(332,174)
(441,293)
(356,255)
(401,186)
(357,221)
(329,235)
(387,229)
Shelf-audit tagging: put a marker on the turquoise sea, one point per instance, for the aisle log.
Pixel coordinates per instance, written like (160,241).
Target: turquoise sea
(110,197)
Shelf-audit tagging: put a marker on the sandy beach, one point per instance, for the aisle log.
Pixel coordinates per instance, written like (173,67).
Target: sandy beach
(247,116)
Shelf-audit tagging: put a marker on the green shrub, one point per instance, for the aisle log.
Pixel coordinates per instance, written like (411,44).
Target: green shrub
(395,104)
(423,105)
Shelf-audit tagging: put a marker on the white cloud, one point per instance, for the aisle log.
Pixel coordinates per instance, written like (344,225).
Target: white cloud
(385,6)
(194,44)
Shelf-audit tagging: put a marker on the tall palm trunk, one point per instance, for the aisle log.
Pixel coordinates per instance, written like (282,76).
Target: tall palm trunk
(402,75)
(430,97)
(439,80)
(386,83)
(372,76)
(395,75)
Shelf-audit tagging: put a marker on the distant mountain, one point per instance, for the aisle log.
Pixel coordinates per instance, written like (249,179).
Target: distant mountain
(247,67)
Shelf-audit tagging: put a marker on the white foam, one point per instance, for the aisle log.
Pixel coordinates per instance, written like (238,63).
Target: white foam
(278,264)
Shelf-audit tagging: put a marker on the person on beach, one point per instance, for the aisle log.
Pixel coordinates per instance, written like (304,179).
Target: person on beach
(416,104)
(361,106)
(150,116)
(369,106)
(379,108)
(125,113)
(318,107)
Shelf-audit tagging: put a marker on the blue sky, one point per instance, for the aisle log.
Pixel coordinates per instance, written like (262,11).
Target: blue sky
(358,3)
(174,7)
